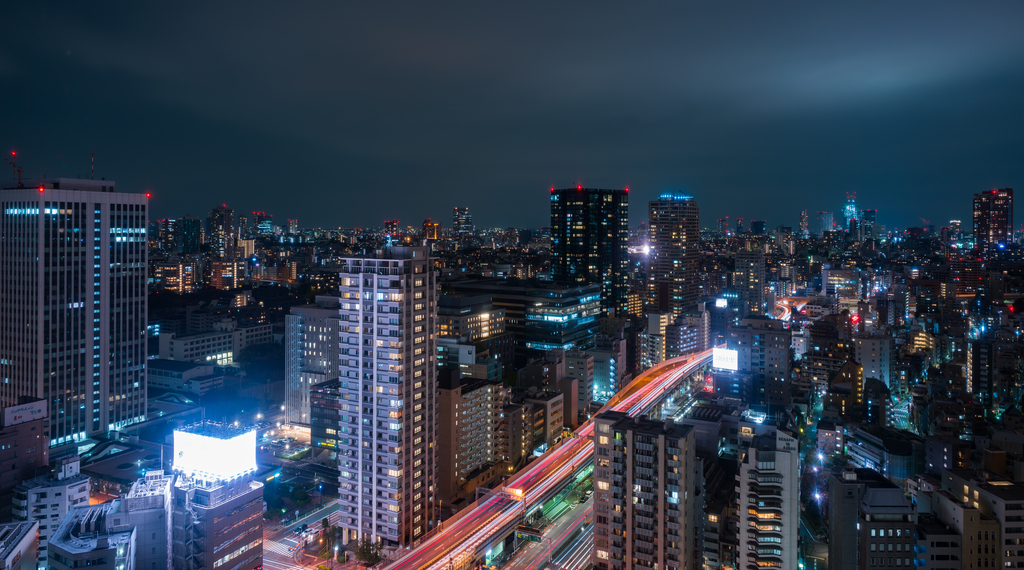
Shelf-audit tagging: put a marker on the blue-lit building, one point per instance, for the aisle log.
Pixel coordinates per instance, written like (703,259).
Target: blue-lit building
(542,315)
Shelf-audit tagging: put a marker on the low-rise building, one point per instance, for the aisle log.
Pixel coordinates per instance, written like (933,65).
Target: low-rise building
(19,545)
(222,346)
(92,536)
(47,499)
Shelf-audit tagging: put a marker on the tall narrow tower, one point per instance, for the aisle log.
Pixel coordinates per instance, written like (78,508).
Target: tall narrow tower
(589,237)
(674,259)
(73,303)
(221,230)
(993,220)
(388,386)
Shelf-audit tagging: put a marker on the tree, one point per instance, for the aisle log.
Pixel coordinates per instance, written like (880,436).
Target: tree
(369,552)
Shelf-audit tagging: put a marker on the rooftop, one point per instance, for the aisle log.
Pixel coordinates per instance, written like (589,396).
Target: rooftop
(12,534)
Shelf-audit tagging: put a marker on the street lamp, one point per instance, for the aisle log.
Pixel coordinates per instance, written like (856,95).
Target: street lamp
(335,561)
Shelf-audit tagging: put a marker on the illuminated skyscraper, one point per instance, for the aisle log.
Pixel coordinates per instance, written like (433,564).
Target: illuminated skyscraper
(264,223)
(674,259)
(293,226)
(849,210)
(750,281)
(993,220)
(221,229)
(462,221)
(73,304)
(388,386)
(739,226)
(189,233)
(868,219)
(805,228)
(589,236)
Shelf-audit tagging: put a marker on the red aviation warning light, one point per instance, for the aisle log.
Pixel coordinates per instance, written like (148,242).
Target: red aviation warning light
(854,318)
(149,195)
(41,188)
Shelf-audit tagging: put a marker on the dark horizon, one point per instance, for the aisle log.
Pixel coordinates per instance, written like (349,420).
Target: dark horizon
(757,111)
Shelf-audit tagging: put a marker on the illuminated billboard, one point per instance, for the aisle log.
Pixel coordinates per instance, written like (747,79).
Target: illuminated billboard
(214,452)
(725,359)
(721,303)
(24,413)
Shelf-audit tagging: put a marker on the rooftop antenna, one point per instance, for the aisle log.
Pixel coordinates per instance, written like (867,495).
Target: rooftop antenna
(92,173)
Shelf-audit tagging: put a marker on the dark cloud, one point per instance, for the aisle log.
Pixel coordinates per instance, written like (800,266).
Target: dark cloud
(344,114)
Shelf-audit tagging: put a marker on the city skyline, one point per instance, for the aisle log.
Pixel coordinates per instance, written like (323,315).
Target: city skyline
(492,107)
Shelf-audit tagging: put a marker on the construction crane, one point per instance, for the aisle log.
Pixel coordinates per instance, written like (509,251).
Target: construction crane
(925,222)
(17,169)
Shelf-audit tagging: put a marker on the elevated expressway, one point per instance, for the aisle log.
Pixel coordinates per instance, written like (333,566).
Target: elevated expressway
(465,538)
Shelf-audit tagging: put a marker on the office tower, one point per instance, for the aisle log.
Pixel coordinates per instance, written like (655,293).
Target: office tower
(264,223)
(723,225)
(391,228)
(462,222)
(217,513)
(993,220)
(846,489)
(674,258)
(749,280)
(868,221)
(73,311)
(50,497)
(293,226)
(221,232)
(388,345)
(189,232)
(430,229)
(645,478)
(311,354)
(589,235)
(768,489)
(758,227)
(825,222)
(739,226)
(805,228)
(242,229)
(468,411)
(762,347)
(166,235)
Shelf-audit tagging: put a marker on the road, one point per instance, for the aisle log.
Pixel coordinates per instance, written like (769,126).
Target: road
(278,539)
(534,556)
(456,542)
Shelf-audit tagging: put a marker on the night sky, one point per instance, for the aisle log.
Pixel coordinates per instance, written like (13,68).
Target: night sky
(346,113)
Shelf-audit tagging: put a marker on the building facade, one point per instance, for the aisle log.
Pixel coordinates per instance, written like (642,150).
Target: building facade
(73,303)
(386,456)
(589,234)
(674,225)
(311,354)
(645,476)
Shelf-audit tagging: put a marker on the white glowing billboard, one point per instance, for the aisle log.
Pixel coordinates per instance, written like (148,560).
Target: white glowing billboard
(721,303)
(725,359)
(209,453)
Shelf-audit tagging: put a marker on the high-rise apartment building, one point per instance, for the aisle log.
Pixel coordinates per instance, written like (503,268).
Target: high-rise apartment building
(73,304)
(645,477)
(805,228)
(674,257)
(311,354)
(264,223)
(768,489)
(387,453)
(750,281)
(469,411)
(589,235)
(293,226)
(849,210)
(221,231)
(217,508)
(462,222)
(993,220)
